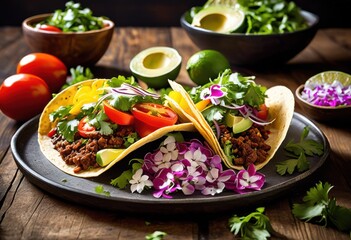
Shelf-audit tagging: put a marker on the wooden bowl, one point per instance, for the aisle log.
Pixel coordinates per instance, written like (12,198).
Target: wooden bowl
(322,113)
(73,48)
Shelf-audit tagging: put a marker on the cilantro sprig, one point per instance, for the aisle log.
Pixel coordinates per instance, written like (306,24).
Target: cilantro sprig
(319,207)
(298,152)
(255,225)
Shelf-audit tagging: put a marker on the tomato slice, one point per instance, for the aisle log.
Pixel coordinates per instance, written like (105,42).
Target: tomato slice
(143,129)
(155,115)
(262,112)
(49,28)
(84,128)
(116,116)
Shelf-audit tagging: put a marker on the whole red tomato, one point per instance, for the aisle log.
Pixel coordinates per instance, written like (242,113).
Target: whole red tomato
(48,67)
(22,96)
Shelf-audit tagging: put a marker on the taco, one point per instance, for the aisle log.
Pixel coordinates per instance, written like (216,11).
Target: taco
(86,120)
(243,122)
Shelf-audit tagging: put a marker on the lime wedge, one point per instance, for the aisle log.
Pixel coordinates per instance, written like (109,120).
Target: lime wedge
(105,156)
(329,77)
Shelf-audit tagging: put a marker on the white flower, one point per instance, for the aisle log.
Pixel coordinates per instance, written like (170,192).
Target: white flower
(196,158)
(139,181)
(169,150)
(161,161)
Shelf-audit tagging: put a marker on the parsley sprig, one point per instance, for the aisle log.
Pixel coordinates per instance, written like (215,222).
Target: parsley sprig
(318,206)
(298,152)
(255,225)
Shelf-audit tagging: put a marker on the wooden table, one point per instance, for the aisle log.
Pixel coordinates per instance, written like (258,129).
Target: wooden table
(28,212)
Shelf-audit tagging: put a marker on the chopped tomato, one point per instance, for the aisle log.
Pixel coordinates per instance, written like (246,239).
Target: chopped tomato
(116,116)
(262,112)
(52,132)
(49,28)
(84,128)
(155,115)
(143,129)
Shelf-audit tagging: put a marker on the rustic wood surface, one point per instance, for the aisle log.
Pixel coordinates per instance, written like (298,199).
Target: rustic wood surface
(28,212)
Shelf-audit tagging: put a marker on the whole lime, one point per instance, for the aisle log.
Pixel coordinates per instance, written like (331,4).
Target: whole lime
(205,65)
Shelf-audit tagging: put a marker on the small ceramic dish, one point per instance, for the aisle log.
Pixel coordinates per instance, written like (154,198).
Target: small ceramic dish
(322,113)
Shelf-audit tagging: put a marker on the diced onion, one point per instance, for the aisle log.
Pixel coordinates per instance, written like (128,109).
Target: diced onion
(330,95)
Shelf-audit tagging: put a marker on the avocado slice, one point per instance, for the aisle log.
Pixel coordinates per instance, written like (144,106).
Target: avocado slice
(237,123)
(221,19)
(156,65)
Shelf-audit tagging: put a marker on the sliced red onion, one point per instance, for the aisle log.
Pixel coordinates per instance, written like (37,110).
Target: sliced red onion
(218,130)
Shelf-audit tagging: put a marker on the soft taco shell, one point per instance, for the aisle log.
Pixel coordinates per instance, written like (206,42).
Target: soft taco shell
(66,98)
(281,104)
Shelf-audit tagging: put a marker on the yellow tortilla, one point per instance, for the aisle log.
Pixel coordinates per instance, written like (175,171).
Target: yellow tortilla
(66,97)
(281,103)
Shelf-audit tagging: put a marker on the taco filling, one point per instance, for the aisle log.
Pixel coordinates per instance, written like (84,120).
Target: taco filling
(87,118)
(246,122)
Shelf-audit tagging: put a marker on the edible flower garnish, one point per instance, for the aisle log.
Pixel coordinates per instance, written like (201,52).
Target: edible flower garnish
(231,92)
(325,94)
(188,167)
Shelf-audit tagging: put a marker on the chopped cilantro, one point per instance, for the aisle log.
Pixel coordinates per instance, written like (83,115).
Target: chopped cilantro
(214,113)
(122,180)
(60,113)
(130,139)
(319,207)
(118,81)
(99,189)
(78,74)
(68,128)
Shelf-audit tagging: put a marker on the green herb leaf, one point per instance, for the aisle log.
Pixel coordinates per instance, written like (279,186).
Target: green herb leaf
(68,128)
(118,81)
(60,113)
(309,146)
(290,165)
(122,180)
(256,225)
(318,206)
(78,74)
(302,148)
(157,235)
(99,189)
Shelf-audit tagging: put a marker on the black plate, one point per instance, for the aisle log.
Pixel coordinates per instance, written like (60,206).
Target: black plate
(41,172)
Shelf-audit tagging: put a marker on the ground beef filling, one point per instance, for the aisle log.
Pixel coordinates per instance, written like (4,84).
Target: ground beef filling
(248,146)
(82,152)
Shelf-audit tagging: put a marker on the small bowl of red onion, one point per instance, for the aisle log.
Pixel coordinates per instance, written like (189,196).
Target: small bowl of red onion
(326,96)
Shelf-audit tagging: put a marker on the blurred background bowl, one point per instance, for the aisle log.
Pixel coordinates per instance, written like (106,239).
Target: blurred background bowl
(322,113)
(73,48)
(242,49)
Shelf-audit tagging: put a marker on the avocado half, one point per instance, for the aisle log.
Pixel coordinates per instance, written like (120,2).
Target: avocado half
(156,65)
(221,19)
